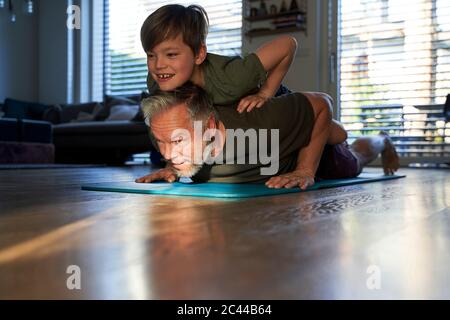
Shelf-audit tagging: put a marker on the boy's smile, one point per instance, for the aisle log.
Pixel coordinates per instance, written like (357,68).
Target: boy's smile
(172,63)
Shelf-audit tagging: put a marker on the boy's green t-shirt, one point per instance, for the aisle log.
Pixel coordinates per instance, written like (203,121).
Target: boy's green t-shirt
(228,79)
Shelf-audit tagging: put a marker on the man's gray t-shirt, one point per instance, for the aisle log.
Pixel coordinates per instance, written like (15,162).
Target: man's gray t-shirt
(291,114)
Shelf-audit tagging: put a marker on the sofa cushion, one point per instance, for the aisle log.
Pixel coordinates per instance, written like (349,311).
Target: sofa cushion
(15,109)
(36,131)
(88,116)
(111,101)
(25,130)
(101,134)
(9,130)
(52,114)
(122,112)
(100,128)
(24,110)
(70,112)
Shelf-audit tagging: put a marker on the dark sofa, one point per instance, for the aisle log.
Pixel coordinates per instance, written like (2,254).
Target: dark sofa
(100,141)
(25,141)
(107,132)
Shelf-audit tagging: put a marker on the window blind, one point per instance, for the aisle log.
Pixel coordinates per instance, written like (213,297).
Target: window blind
(125,61)
(394,65)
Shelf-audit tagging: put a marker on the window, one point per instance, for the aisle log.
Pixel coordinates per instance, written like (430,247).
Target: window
(395,72)
(125,60)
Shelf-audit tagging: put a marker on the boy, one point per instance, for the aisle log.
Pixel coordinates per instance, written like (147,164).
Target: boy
(174,38)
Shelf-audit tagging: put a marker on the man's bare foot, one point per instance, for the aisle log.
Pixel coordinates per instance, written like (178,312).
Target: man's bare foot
(389,156)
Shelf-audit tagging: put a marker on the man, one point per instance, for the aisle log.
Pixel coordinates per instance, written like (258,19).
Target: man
(270,144)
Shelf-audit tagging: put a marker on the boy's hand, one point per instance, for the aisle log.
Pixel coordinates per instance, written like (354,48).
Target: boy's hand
(250,102)
(165,174)
(298,178)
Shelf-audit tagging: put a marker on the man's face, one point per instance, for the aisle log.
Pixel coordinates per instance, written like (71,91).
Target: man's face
(174,133)
(171,63)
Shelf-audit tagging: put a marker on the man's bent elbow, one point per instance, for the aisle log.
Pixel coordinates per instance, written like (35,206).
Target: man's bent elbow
(290,43)
(293,44)
(326,103)
(326,107)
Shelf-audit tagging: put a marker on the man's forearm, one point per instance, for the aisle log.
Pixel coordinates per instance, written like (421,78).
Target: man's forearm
(309,157)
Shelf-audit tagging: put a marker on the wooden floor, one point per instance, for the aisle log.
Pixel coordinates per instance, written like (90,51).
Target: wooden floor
(381,240)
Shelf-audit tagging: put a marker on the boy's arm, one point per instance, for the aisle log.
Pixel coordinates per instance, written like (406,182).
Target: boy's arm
(276,57)
(309,156)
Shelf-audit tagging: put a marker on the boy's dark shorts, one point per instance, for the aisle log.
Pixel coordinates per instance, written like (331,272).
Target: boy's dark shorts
(338,162)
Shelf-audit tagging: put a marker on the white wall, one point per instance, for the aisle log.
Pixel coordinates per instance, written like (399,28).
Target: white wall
(309,71)
(33,53)
(71,61)
(18,56)
(53,48)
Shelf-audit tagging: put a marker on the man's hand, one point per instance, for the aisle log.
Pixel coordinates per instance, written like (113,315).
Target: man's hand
(252,101)
(298,178)
(165,174)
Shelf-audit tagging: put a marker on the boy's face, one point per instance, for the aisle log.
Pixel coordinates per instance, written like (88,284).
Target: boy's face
(171,63)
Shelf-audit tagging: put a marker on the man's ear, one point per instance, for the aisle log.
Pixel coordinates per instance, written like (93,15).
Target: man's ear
(201,55)
(211,123)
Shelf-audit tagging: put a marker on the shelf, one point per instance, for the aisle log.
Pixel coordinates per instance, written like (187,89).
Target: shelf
(259,33)
(273,16)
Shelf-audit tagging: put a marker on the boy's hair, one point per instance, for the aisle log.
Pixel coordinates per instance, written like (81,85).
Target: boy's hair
(172,20)
(196,99)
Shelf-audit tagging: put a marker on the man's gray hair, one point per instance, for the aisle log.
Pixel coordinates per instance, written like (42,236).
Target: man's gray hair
(196,99)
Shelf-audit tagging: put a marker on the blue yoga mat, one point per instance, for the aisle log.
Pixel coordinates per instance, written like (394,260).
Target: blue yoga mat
(225,190)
